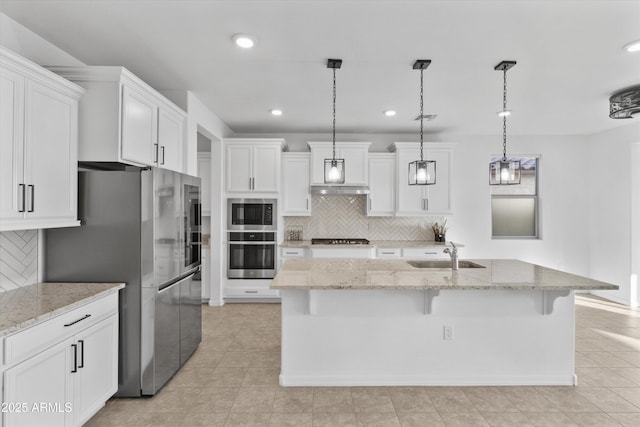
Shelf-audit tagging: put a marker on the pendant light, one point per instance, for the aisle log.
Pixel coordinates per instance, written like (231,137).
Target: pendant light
(422,172)
(504,171)
(334,168)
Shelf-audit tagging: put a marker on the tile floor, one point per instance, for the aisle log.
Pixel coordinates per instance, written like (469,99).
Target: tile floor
(232,380)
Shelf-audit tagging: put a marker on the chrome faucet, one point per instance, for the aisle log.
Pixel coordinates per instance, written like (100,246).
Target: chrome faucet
(453,253)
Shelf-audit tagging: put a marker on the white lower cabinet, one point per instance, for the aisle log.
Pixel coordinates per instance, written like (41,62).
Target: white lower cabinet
(69,381)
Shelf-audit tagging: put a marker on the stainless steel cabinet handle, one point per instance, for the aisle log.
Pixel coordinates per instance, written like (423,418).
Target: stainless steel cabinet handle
(291,253)
(307,204)
(75,358)
(387,253)
(425,204)
(21,193)
(33,190)
(250,292)
(249,183)
(253,183)
(86,316)
(155,160)
(369,203)
(162,155)
(431,253)
(81,342)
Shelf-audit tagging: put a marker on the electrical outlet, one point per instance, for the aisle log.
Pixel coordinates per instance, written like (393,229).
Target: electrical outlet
(447,334)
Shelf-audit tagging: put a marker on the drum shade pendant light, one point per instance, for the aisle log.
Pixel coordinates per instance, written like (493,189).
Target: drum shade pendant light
(334,168)
(422,172)
(504,171)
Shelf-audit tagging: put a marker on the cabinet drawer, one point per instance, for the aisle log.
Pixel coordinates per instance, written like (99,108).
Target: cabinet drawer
(24,344)
(293,252)
(251,293)
(388,252)
(424,253)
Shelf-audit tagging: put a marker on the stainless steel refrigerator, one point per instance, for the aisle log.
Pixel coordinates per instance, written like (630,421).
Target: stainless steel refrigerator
(140,226)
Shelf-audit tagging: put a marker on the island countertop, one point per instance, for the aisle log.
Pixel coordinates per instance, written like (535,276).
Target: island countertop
(497,274)
(24,307)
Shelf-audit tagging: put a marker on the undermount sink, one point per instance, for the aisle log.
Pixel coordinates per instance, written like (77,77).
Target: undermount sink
(443,264)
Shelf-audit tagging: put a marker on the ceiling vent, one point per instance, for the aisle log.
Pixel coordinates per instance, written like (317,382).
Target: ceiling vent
(625,103)
(426,117)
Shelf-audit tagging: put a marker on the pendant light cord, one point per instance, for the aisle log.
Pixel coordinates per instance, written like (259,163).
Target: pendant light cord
(334,114)
(504,117)
(421,110)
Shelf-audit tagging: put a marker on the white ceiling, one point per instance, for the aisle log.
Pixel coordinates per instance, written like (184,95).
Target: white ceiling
(569,54)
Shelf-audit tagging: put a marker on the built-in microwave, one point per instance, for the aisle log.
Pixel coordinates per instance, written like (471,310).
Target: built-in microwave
(251,214)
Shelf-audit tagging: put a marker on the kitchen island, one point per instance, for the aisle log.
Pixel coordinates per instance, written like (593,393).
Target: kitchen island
(351,322)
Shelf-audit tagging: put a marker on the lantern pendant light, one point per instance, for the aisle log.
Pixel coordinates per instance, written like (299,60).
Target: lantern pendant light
(422,172)
(504,171)
(334,168)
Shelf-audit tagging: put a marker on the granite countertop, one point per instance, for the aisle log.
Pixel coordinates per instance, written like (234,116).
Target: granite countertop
(24,307)
(498,274)
(372,244)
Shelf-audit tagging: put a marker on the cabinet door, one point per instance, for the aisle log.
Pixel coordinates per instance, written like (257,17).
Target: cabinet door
(439,195)
(204,172)
(139,127)
(43,379)
(97,378)
(382,183)
(170,139)
(238,166)
(266,168)
(356,165)
(411,198)
(11,144)
(295,186)
(51,153)
(318,154)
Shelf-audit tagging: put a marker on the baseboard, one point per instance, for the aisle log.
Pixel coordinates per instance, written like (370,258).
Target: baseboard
(412,380)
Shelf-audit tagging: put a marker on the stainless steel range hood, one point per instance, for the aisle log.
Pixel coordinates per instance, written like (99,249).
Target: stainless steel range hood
(340,190)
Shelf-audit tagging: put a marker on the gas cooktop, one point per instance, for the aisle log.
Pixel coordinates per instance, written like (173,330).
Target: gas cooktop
(341,241)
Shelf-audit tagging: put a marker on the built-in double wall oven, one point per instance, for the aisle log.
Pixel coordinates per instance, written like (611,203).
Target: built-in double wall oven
(252,248)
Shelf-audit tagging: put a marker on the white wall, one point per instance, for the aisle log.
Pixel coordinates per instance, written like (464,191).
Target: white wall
(25,42)
(563,195)
(609,174)
(202,121)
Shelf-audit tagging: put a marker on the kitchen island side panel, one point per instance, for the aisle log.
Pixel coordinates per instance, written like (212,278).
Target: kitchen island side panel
(388,337)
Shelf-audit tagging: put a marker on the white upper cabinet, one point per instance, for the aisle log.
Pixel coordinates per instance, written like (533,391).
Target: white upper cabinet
(253,164)
(296,198)
(423,199)
(139,127)
(122,119)
(381,200)
(38,146)
(170,139)
(356,161)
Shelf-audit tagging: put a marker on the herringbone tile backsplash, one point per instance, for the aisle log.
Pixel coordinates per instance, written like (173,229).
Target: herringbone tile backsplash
(345,216)
(18,259)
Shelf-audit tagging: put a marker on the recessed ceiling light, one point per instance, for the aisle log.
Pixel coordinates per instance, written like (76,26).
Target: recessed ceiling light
(633,46)
(276,112)
(505,113)
(389,113)
(243,40)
